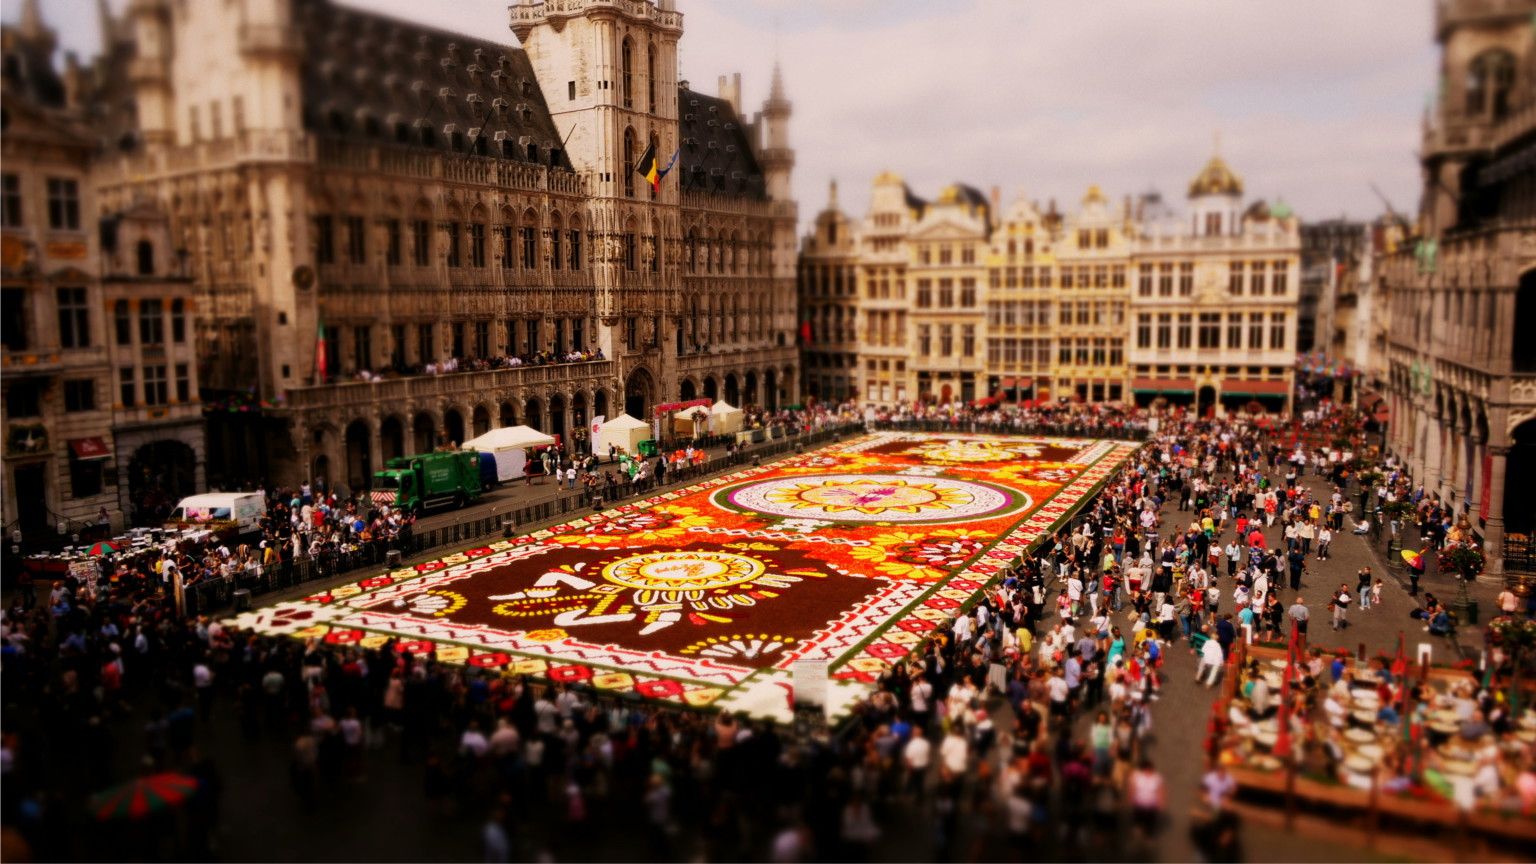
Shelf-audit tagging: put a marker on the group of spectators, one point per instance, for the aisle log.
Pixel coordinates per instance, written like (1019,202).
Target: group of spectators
(481,364)
(1019,727)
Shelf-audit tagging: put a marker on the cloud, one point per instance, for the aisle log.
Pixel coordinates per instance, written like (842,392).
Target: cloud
(1314,99)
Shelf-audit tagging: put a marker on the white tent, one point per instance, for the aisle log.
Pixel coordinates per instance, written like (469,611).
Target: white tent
(624,431)
(509,445)
(724,419)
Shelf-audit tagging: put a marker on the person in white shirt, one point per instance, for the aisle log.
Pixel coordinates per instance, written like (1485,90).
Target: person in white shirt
(918,756)
(472,743)
(954,754)
(1211,662)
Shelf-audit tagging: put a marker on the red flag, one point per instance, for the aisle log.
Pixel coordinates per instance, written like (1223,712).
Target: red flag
(805,332)
(321,372)
(1283,718)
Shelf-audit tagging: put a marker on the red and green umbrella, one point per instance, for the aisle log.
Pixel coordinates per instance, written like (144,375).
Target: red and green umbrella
(102,547)
(143,796)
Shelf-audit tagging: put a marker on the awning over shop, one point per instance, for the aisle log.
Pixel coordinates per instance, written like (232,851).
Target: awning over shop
(1245,387)
(1374,405)
(86,449)
(1009,383)
(1163,385)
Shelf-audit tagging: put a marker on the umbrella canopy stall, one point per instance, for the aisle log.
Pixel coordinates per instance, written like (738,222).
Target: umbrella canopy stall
(143,796)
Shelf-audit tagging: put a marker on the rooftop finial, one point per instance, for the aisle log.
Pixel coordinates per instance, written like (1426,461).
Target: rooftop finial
(31,23)
(832,194)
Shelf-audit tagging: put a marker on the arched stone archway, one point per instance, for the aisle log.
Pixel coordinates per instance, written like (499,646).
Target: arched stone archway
(600,403)
(453,427)
(579,417)
(749,390)
(1523,358)
(480,422)
(320,470)
(533,414)
(639,394)
(392,438)
(424,433)
(770,390)
(1519,478)
(557,425)
(359,459)
(160,473)
(508,415)
(686,391)
(711,388)
(732,392)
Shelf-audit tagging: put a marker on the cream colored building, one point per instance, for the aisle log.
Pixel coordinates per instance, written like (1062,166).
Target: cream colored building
(829,304)
(1093,254)
(947,270)
(1213,304)
(1021,304)
(427,199)
(960,300)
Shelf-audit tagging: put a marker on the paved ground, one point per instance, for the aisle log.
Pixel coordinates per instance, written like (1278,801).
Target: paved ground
(1182,712)
(386,816)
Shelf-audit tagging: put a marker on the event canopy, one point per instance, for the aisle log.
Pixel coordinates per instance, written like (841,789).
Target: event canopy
(725,419)
(624,431)
(508,438)
(508,446)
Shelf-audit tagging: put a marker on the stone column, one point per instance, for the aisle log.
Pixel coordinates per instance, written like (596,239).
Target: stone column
(1493,528)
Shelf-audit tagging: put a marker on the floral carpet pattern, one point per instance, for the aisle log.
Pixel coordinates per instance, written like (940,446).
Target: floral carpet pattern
(847,555)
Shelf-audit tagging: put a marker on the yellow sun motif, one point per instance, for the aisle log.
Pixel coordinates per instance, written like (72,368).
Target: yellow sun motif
(869,497)
(973,451)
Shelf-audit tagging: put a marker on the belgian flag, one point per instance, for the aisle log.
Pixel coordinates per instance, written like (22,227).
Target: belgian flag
(649,168)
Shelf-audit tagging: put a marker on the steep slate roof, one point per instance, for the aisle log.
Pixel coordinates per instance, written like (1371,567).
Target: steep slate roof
(369,77)
(716,155)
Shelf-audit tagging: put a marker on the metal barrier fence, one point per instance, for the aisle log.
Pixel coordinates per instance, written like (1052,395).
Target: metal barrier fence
(1054,429)
(205,598)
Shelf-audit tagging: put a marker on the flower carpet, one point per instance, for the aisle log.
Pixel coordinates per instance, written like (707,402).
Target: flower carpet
(708,594)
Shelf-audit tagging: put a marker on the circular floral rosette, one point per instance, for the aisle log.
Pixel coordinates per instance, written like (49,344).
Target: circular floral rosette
(871,498)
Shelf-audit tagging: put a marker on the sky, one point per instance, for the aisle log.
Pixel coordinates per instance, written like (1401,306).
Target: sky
(1309,101)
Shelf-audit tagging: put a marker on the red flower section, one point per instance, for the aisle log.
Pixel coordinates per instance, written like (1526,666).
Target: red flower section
(494,660)
(376,582)
(417,646)
(569,674)
(343,637)
(664,688)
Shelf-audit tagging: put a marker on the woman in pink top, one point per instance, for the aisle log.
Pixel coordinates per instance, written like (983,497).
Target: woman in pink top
(1147,798)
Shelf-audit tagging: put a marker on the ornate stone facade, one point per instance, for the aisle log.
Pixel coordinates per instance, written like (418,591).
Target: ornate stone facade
(101,407)
(364,201)
(1460,296)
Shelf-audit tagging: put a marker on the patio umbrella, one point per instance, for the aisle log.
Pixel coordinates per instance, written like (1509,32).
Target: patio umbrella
(102,547)
(142,796)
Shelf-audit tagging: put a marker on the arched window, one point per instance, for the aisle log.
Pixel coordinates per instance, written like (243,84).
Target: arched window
(629,160)
(650,76)
(626,70)
(1490,76)
(146,257)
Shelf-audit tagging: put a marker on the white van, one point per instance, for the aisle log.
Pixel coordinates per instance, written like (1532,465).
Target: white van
(218,511)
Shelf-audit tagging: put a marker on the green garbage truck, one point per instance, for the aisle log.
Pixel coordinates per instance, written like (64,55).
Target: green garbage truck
(416,483)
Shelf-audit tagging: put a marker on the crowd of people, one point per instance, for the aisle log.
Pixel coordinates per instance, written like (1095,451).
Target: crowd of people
(481,364)
(1020,727)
